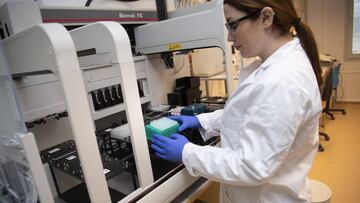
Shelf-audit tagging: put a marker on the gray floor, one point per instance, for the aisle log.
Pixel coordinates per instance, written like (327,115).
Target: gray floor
(122,183)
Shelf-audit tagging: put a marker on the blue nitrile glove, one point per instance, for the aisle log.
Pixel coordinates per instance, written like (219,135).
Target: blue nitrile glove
(169,148)
(187,122)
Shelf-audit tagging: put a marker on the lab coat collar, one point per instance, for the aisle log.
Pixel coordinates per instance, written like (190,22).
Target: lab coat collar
(279,53)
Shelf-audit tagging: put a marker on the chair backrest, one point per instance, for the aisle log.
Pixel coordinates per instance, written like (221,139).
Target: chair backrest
(328,82)
(335,75)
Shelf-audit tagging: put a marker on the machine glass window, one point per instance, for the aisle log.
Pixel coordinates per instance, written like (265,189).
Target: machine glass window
(356,28)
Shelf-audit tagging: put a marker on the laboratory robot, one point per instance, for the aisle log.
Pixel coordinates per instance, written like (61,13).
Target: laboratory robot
(81,93)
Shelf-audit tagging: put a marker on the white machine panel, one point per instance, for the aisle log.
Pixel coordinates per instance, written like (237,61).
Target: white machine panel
(43,96)
(17,16)
(194,27)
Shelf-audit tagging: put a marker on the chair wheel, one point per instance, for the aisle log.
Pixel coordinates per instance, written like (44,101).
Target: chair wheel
(332,118)
(344,112)
(321,148)
(327,138)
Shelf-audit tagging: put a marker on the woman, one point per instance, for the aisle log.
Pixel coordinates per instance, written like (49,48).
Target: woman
(269,126)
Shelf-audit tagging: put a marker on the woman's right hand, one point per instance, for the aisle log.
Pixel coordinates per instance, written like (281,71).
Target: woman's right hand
(186,122)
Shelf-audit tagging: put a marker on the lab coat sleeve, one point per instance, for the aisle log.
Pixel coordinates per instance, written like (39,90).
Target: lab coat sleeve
(210,123)
(262,139)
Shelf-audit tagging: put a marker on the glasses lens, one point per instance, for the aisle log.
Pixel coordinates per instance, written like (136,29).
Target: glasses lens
(228,27)
(231,26)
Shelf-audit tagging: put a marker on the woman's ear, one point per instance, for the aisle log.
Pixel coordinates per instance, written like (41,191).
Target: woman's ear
(267,16)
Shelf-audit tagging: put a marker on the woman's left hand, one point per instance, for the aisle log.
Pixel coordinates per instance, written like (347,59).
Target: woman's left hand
(169,148)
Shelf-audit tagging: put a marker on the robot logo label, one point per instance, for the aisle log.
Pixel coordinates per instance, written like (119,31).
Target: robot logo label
(130,15)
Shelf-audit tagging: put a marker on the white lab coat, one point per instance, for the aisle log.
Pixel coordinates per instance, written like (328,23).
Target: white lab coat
(269,133)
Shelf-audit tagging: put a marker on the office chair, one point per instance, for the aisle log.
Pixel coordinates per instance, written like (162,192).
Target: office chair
(330,83)
(326,91)
(335,83)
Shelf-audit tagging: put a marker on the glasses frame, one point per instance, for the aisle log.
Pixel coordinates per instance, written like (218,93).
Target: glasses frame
(231,26)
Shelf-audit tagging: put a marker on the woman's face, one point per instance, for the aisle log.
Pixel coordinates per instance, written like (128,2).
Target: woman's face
(248,35)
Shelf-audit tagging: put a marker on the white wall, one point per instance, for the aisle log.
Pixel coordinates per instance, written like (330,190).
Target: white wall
(328,20)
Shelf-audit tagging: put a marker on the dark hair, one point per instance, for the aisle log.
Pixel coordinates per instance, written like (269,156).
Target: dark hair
(285,17)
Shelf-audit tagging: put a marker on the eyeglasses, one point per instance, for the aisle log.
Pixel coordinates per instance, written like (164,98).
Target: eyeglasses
(231,26)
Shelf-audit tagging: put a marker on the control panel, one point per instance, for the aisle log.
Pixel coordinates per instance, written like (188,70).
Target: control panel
(106,97)
(104,87)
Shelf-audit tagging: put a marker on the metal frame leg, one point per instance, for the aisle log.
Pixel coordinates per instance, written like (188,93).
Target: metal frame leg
(330,114)
(338,110)
(326,136)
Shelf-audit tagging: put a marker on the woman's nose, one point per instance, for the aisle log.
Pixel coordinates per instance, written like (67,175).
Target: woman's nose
(230,37)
